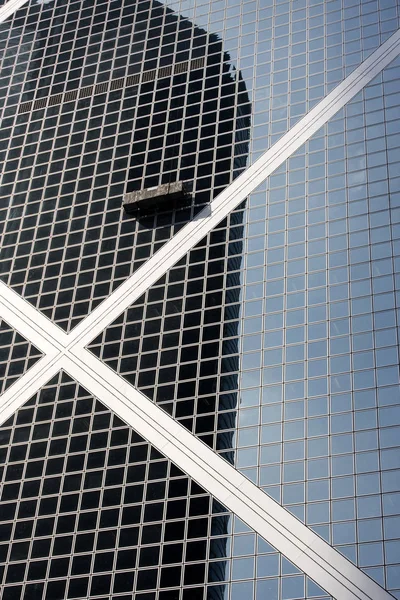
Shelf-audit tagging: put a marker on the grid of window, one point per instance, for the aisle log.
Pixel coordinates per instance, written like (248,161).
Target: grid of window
(319,363)
(288,364)
(274,340)
(17,355)
(66,242)
(178,343)
(90,509)
(291,54)
(100,42)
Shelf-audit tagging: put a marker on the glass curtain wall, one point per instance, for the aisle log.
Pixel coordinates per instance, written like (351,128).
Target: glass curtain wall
(274,340)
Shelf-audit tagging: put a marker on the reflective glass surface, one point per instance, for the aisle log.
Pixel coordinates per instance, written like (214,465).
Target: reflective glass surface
(275,340)
(291,54)
(17,355)
(320,404)
(90,510)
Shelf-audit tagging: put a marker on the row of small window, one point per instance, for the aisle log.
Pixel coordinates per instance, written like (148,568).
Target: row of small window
(374,153)
(158,153)
(338,289)
(125,14)
(318,468)
(204,374)
(291,473)
(95,210)
(338,203)
(320,366)
(340,360)
(282,277)
(339,383)
(367,507)
(298,108)
(367,313)
(339,404)
(101,185)
(343,440)
(294,330)
(60,398)
(70,268)
(46,269)
(277,185)
(262,17)
(319,304)
(202,156)
(314,63)
(336,214)
(381,283)
(287,588)
(336,191)
(94,116)
(105,509)
(365,39)
(82,424)
(317,386)
(235,569)
(292,497)
(278,294)
(315,27)
(89,534)
(166,389)
(263,55)
(364,230)
(350,60)
(177,84)
(376,276)
(381,266)
(344,486)
(374,256)
(385,342)
(316,190)
(127,234)
(321,381)
(222,118)
(283,11)
(380,166)
(267,565)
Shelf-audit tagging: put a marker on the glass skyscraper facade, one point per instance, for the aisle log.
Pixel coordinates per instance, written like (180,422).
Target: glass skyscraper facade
(200,400)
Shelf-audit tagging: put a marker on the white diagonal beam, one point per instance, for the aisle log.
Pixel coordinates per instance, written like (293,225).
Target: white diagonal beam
(43,334)
(26,386)
(9,8)
(38,329)
(233,195)
(315,557)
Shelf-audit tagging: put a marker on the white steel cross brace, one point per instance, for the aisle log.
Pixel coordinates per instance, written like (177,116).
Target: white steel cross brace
(298,543)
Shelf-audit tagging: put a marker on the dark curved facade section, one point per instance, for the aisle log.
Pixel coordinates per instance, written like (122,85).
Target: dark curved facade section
(100,100)
(106,99)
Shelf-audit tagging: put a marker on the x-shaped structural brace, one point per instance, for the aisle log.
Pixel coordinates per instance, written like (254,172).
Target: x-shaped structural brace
(315,557)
